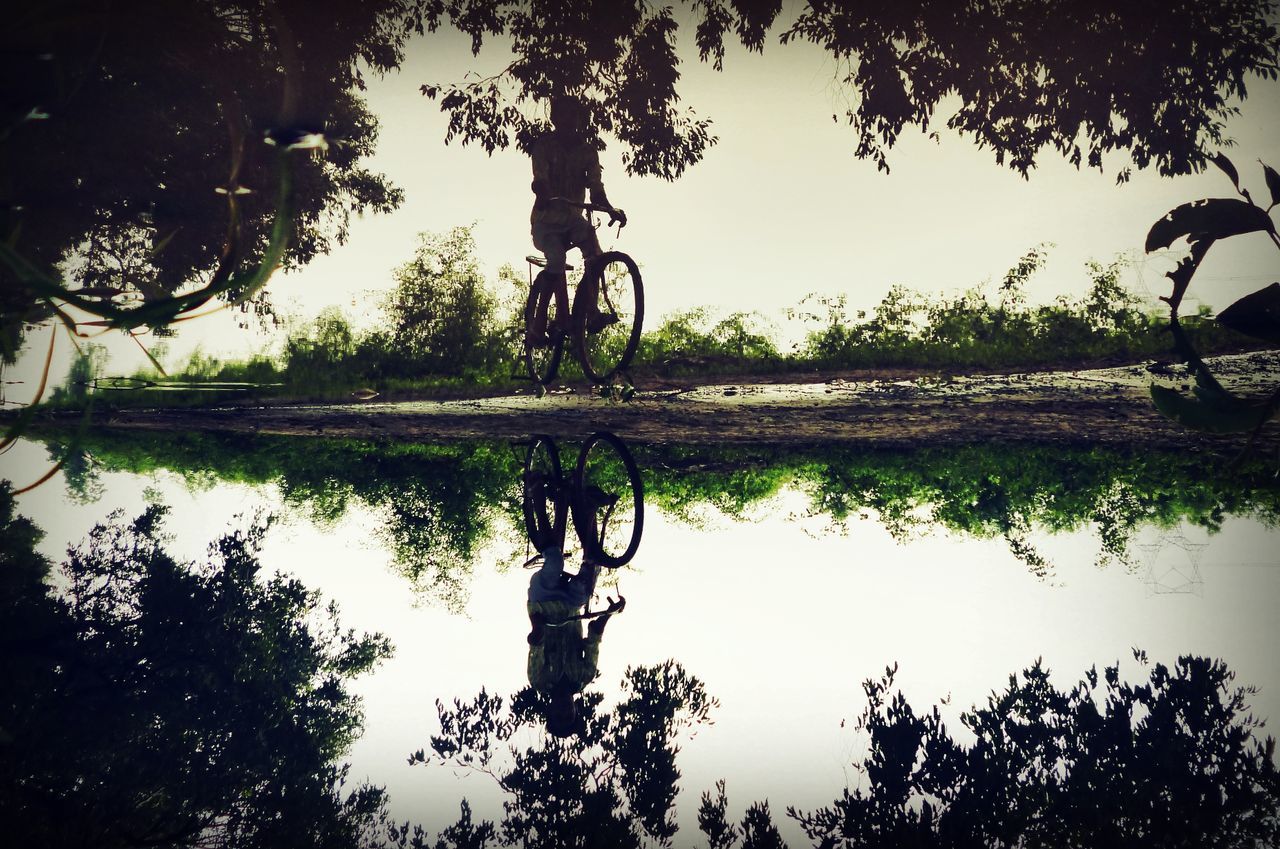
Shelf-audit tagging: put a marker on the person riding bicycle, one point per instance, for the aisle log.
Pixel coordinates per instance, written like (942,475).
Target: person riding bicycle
(566,167)
(562,660)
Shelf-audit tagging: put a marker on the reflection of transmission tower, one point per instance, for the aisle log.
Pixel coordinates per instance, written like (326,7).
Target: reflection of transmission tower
(1173,565)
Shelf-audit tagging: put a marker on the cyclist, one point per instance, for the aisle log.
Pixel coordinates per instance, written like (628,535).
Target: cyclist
(566,168)
(562,660)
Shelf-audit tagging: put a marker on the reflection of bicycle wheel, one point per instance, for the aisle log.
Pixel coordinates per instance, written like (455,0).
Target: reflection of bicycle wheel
(608,508)
(609,333)
(543,361)
(541,482)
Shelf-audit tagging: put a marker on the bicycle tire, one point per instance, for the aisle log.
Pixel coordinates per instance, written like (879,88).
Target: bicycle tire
(611,552)
(615,283)
(543,458)
(542,363)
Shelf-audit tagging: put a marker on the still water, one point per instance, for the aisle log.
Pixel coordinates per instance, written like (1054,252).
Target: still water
(767,587)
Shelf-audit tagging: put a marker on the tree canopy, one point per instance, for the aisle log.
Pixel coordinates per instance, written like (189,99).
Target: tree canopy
(132,131)
(1152,81)
(152,702)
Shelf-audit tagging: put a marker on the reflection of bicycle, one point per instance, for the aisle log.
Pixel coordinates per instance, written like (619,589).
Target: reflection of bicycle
(604,496)
(604,320)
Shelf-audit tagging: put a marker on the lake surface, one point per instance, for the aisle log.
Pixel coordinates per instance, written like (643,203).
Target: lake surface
(780,581)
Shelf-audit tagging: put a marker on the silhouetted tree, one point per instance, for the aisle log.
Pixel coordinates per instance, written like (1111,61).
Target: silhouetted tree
(1150,80)
(119,121)
(1173,761)
(611,785)
(150,702)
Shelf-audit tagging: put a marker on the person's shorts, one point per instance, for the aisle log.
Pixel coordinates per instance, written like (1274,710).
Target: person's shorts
(556,236)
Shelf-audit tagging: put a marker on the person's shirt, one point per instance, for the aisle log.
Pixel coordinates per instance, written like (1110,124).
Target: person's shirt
(570,171)
(565,653)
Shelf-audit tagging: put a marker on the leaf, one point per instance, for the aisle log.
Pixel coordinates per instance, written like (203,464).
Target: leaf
(1256,315)
(1208,418)
(1220,159)
(1207,220)
(1273,182)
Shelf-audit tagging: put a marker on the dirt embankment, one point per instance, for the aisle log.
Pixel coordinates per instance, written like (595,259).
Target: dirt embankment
(1100,406)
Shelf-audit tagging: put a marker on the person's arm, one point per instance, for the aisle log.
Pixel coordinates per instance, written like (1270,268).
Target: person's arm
(595,188)
(596,629)
(541,176)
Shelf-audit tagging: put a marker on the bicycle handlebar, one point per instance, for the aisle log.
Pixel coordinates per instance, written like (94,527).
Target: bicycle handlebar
(614,213)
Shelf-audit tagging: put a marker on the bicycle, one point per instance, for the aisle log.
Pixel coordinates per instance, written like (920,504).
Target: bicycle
(611,283)
(605,497)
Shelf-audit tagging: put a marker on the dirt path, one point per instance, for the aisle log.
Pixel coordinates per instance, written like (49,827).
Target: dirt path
(1102,406)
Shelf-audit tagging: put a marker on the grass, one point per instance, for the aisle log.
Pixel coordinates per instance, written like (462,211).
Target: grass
(984,328)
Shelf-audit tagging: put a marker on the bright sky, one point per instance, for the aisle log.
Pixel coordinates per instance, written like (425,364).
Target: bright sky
(778,209)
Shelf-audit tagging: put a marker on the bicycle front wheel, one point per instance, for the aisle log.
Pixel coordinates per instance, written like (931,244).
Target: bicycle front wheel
(608,316)
(541,361)
(608,508)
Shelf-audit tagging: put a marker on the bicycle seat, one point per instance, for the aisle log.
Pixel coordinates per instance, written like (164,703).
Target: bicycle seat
(541,262)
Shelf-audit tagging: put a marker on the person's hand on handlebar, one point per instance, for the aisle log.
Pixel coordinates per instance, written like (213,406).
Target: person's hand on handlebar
(617,216)
(617,605)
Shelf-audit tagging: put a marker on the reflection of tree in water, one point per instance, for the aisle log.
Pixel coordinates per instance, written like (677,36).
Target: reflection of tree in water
(137,111)
(1009,491)
(1173,760)
(612,785)
(443,502)
(154,702)
(438,504)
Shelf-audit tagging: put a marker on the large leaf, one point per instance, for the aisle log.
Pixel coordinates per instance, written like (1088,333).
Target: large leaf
(1273,182)
(1207,220)
(1220,159)
(1256,315)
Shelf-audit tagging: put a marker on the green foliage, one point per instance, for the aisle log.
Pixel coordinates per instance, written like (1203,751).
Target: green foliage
(443,318)
(692,340)
(437,504)
(89,363)
(440,504)
(972,330)
(218,697)
(1173,761)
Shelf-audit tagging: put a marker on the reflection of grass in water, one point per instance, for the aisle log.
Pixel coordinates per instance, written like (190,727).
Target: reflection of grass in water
(441,503)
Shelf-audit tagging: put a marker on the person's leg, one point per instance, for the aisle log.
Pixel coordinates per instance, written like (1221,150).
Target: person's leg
(584,238)
(547,583)
(554,247)
(582,586)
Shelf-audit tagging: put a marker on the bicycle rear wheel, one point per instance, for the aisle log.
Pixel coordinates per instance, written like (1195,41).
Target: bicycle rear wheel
(608,504)
(541,361)
(608,315)
(541,483)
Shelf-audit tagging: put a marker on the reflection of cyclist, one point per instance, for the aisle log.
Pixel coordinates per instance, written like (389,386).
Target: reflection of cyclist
(566,166)
(562,661)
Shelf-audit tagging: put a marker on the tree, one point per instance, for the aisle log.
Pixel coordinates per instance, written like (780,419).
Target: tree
(443,316)
(154,702)
(1152,80)
(1173,761)
(612,785)
(131,131)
